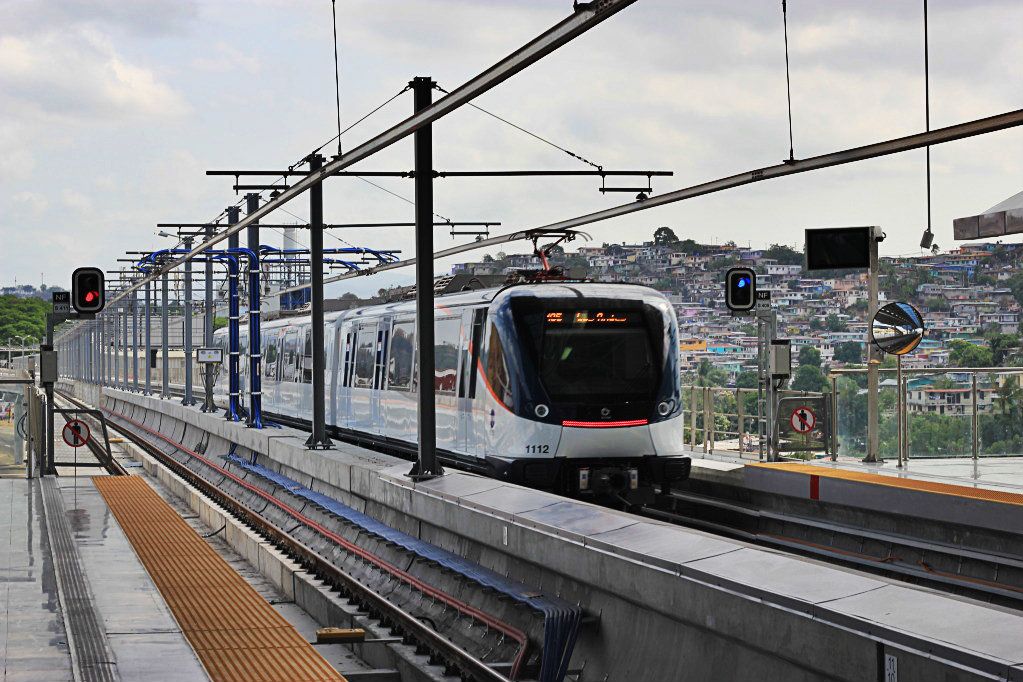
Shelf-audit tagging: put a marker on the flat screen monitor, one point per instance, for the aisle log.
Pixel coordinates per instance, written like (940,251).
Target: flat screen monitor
(834,248)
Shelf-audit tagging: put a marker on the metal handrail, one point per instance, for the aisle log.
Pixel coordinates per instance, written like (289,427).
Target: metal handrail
(903,440)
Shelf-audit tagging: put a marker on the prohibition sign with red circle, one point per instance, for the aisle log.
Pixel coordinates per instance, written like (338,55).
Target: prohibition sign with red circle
(75,433)
(803,419)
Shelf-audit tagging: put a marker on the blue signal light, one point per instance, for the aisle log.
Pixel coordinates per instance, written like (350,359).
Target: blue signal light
(743,281)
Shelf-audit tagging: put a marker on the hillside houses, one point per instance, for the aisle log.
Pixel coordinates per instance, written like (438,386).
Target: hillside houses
(962,294)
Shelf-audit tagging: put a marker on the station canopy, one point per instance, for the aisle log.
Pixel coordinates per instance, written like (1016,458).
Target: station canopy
(1003,218)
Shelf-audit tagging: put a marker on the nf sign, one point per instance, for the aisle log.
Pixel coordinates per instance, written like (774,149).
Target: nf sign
(61,302)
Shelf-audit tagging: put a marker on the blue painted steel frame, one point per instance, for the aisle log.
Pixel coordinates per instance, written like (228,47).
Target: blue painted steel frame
(233,317)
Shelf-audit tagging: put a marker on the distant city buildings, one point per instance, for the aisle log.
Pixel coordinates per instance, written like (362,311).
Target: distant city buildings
(964,294)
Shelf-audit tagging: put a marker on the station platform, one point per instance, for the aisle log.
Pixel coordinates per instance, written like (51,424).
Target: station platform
(684,604)
(103,580)
(987,492)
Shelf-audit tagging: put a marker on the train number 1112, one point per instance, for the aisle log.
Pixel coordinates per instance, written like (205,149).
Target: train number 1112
(538,449)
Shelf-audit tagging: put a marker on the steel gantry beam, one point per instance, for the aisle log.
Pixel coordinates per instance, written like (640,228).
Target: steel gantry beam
(585,17)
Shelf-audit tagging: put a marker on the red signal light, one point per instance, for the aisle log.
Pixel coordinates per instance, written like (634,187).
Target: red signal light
(87,290)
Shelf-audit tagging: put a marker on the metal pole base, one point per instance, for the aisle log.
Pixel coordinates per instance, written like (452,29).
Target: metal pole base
(313,444)
(416,475)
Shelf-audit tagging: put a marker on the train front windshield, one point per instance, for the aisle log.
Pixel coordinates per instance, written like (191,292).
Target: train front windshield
(591,356)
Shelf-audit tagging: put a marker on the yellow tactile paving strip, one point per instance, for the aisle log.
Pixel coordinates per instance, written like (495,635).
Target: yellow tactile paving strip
(236,634)
(899,482)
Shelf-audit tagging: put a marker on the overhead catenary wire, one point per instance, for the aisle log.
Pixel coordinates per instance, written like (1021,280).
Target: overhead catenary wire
(403,198)
(529,132)
(337,75)
(788,81)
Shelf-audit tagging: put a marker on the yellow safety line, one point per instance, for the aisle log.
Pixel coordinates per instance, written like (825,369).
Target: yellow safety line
(236,634)
(898,482)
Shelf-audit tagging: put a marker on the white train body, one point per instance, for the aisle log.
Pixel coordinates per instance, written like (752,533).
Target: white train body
(573,386)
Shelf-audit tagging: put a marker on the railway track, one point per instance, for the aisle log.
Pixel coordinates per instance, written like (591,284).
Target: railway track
(987,576)
(322,561)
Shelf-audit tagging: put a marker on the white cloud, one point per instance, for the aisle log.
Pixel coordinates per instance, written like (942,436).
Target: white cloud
(79,78)
(127,103)
(226,58)
(36,203)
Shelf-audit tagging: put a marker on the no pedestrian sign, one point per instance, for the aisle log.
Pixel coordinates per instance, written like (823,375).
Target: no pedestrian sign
(76,433)
(803,420)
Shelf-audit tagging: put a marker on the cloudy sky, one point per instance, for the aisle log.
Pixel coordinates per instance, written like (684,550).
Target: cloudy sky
(112,110)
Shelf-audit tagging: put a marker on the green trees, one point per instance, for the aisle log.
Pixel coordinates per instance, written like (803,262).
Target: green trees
(809,378)
(746,380)
(785,255)
(849,351)
(1016,284)
(22,317)
(833,323)
(664,236)
(1004,348)
(709,375)
(808,355)
(966,354)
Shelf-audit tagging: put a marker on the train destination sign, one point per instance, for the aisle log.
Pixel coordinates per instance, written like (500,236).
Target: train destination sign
(897,328)
(607,318)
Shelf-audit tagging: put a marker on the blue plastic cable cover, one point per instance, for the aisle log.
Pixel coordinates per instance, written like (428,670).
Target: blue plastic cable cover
(561,619)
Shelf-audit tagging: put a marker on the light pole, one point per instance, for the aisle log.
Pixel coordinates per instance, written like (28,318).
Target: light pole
(22,339)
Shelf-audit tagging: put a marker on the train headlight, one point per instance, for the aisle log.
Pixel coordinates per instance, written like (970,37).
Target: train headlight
(664,408)
(541,411)
(584,478)
(633,479)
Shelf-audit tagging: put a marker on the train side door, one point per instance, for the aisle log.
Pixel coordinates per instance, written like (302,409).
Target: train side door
(363,374)
(379,402)
(344,415)
(331,384)
(289,355)
(471,410)
(270,341)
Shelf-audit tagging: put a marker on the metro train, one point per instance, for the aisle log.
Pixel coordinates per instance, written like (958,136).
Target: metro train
(567,386)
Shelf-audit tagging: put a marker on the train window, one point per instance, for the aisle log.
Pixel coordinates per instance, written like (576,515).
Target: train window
(271,355)
(400,356)
(307,357)
(365,355)
(497,368)
(445,353)
(590,363)
(289,356)
(346,377)
(470,354)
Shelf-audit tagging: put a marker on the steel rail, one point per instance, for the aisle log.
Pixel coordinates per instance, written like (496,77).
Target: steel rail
(902,144)
(586,16)
(420,631)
